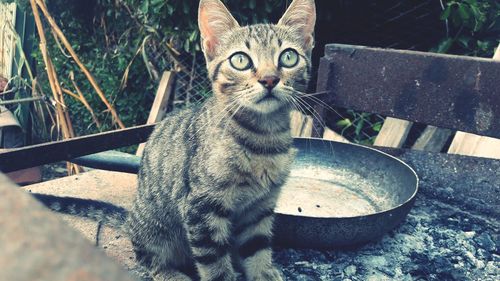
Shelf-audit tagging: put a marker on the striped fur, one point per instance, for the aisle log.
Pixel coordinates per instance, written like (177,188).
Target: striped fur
(210,176)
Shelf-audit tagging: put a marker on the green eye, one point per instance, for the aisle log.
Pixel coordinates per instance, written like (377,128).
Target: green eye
(289,58)
(240,61)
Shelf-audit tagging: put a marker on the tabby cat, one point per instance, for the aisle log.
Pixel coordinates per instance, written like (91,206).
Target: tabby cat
(210,175)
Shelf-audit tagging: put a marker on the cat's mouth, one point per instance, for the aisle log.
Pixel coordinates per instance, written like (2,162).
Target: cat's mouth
(268,96)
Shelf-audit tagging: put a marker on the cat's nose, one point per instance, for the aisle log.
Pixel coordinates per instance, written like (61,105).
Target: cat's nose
(269,81)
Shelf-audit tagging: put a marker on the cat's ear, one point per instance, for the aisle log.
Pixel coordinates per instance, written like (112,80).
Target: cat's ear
(301,16)
(213,20)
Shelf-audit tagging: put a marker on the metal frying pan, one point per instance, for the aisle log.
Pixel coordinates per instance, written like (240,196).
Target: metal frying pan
(338,194)
(341,195)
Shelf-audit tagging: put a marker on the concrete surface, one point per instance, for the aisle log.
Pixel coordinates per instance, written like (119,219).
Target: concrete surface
(452,233)
(36,245)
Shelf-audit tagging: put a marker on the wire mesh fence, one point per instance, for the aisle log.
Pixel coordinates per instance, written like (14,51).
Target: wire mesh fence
(192,85)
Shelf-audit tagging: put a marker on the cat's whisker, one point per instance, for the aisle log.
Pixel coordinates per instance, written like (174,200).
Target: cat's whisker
(234,113)
(324,125)
(312,96)
(316,116)
(217,119)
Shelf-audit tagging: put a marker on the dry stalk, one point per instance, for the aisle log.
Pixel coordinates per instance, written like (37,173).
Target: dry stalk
(62,114)
(84,69)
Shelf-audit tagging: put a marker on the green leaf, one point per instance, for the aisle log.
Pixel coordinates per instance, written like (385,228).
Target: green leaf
(446,13)
(445,45)
(464,12)
(144,6)
(464,41)
(344,123)
(193,35)
(170,10)
(359,126)
(377,126)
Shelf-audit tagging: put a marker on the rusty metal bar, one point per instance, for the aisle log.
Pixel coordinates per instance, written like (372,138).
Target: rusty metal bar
(447,91)
(30,156)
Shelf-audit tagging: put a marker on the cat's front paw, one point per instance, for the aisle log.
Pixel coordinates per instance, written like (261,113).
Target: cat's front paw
(268,274)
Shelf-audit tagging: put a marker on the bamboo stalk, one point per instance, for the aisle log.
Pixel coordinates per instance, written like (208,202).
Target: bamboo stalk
(84,69)
(70,93)
(46,60)
(61,99)
(82,99)
(62,114)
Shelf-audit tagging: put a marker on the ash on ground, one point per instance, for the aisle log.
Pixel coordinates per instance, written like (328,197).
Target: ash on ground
(436,242)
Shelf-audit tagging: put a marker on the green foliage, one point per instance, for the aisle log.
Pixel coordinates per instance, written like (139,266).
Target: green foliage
(474,27)
(126,44)
(141,38)
(359,127)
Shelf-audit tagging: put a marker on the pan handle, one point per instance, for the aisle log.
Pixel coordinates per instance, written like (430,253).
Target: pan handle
(110,160)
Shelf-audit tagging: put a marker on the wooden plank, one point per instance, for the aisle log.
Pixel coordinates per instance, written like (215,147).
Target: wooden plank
(296,123)
(393,133)
(30,156)
(432,139)
(329,134)
(160,104)
(301,124)
(454,92)
(474,145)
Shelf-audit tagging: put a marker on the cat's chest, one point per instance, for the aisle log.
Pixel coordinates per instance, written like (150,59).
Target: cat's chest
(265,171)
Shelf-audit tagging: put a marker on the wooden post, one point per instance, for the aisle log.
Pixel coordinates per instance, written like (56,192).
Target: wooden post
(474,145)
(162,98)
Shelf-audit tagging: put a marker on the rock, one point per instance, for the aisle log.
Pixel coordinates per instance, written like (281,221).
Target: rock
(484,241)
(350,270)
(303,277)
(442,264)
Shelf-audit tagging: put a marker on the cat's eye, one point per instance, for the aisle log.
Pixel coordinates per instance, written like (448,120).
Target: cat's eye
(240,61)
(289,58)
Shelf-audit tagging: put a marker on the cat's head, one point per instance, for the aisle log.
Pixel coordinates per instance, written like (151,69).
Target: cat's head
(258,67)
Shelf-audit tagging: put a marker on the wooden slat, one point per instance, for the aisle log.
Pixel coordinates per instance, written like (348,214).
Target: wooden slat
(393,133)
(474,145)
(454,92)
(301,125)
(329,134)
(160,104)
(432,139)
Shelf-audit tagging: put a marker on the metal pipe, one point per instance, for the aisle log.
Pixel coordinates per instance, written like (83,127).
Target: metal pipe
(21,100)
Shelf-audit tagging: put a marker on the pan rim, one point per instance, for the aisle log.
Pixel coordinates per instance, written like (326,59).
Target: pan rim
(383,212)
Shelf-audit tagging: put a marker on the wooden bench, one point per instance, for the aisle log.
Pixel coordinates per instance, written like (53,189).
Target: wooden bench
(445,91)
